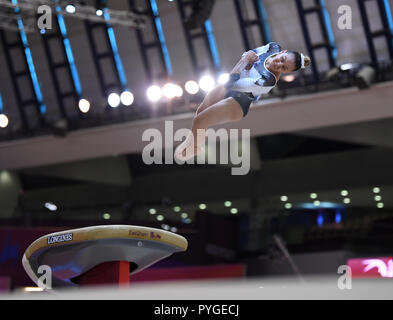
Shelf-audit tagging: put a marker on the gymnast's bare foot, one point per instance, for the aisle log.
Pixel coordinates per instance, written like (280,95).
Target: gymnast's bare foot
(188,152)
(187,149)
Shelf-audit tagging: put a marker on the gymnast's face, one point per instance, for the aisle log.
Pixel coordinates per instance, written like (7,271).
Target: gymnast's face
(282,62)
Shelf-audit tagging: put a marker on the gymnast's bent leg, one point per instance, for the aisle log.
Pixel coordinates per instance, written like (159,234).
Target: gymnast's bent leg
(224,111)
(214,96)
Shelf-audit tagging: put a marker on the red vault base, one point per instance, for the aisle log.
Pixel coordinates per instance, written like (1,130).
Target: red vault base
(107,273)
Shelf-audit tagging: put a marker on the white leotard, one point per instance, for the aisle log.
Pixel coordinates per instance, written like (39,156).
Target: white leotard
(258,80)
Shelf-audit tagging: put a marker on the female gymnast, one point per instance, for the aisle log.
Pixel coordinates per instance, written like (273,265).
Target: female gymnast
(256,73)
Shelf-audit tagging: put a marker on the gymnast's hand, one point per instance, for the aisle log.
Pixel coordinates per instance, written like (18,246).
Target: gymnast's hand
(247,60)
(250,57)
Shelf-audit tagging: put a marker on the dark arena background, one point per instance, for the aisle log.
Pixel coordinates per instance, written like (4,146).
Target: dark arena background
(84,86)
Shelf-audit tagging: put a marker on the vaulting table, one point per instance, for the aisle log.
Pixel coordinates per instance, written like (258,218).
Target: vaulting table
(99,255)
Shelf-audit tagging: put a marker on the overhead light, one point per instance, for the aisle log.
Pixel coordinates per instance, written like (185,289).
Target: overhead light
(165,226)
(84,105)
(380,205)
(114,100)
(3,121)
(50,206)
(227,203)
(348,66)
(234,210)
(344,193)
(176,209)
(313,195)
(289,78)
(207,83)
(317,203)
(376,189)
(288,205)
(178,91)
(32,289)
(154,93)
(284,198)
(184,215)
(152,211)
(192,87)
(169,90)
(223,78)
(106,216)
(202,206)
(174,229)
(378,198)
(160,217)
(70,8)
(127,98)
(100,5)
(353,74)
(347,200)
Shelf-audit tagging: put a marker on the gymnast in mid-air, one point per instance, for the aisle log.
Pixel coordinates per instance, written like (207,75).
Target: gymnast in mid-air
(256,73)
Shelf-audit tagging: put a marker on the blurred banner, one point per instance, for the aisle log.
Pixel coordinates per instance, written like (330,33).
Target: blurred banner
(371,267)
